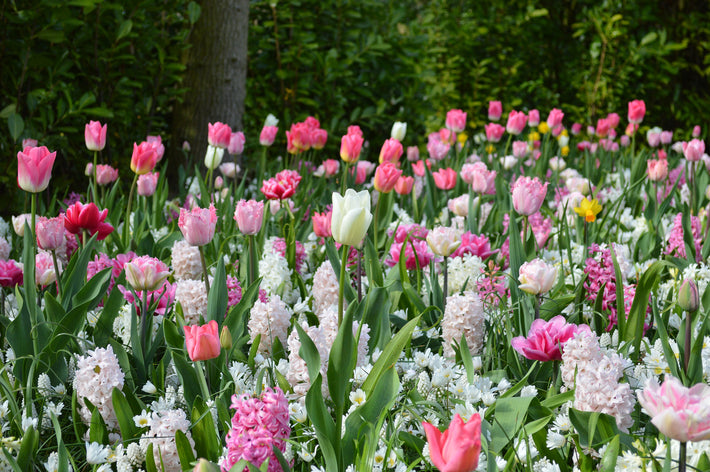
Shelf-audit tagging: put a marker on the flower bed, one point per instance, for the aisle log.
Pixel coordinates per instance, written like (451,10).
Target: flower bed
(537,293)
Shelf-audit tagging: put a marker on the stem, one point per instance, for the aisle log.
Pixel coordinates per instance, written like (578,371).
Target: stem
(252,259)
(33,199)
(478,212)
(202,380)
(262,167)
(344,183)
(144,322)
(95,181)
(682,457)
(58,275)
(525,230)
(341,289)
(446,279)
(537,306)
(204,269)
(127,222)
(686,351)
(415,205)
(359,276)
(377,210)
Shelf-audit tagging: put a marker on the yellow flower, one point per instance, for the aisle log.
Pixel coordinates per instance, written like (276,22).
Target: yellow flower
(589,210)
(490,148)
(543,128)
(534,136)
(462,137)
(564,151)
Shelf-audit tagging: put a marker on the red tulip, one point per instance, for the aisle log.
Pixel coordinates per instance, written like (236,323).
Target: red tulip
(80,217)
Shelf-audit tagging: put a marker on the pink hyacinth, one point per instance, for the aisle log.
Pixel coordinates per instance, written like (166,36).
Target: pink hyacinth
(546,339)
(679,412)
(198,226)
(528,195)
(676,242)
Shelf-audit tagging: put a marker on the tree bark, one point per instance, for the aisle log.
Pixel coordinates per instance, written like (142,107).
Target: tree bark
(215,78)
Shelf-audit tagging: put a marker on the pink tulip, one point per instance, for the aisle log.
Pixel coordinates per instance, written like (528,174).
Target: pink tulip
(637,110)
(528,195)
(355,129)
(474,244)
(319,137)
(696,131)
(10,273)
(613,119)
(456,120)
(694,150)
(520,149)
(268,135)
(44,269)
(536,277)
(443,240)
(516,122)
(391,151)
(144,158)
(298,138)
(95,136)
(458,448)
(330,167)
(147,184)
(495,110)
(386,176)
(624,141)
(79,218)
(554,119)
(533,118)
(157,143)
(404,185)
(437,148)
(494,132)
(603,127)
(202,342)
(29,142)
(105,174)
(219,135)
(416,254)
(34,168)
(653,137)
(412,153)
(679,412)
(322,223)
(657,169)
(229,169)
(482,179)
(350,147)
(236,143)
(546,339)
(445,179)
(576,128)
(666,137)
(249,215)
(146,273)
(312,122)
(283,185)
(198,225)
(50,232)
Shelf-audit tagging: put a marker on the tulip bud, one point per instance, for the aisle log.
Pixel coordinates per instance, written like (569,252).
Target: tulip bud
(688,298)
(225,338)
(203,465)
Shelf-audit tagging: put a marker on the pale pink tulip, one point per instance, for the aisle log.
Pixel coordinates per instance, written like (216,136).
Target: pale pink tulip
(95,136)
(147,184)
(198,225)
(50,232)
(536,277)
(528,195)
(495,110)
(694,150)
(555,117)
(657,169)
(34,168)
(146,273)
(249,215)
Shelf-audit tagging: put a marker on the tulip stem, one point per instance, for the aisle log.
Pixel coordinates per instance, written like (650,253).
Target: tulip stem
(446,279)
(58,275)
(262,167)
(415,209)
(359,276)
(344,183)
(204,269)
(127,222)
(682,457)
(96,202)
(477,214)
(144,323)
(686,350)
(252,259)
(341,290)
(380,196)
(202,380)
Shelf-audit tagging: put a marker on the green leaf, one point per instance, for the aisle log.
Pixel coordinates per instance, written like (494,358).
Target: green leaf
(150,460)
(184,450)
(611,454)
(203,431)
(16,125)
(308,352)
(507,418)
(28,448)
(124,415)
(193,12)
(124,29)
(217,300)
(594,428)
(322,422)
(342,361)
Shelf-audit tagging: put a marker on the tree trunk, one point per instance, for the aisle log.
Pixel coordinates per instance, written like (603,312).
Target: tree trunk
(215,78)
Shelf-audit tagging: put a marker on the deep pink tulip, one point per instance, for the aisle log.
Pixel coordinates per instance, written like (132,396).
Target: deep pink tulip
(603,127)
(391,151)
(322,223)
(268,135)
(34,168)
(445,179)
(404,185)
(576,128)
(494,132)
(198,225)
(679,412)
(555,118)
(10,273)
(355,129)
(146,273)
(202,342)
(312,122)
(694,150)
(350,147)
(249,216)
(298,138)
(533,118)
(516,122)
(95,136)
(528,195)
(386,176)
(147,184)
(144,158)
(474,244)
(79,218)
(236,143)
(546,339)
(458,448)
(456,120)
(319,137)
(50,232)
(219,134)
(613,119)
(637,110)
(495,110)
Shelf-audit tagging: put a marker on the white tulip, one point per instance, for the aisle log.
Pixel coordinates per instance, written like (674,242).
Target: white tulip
(399,131)
(351,217)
